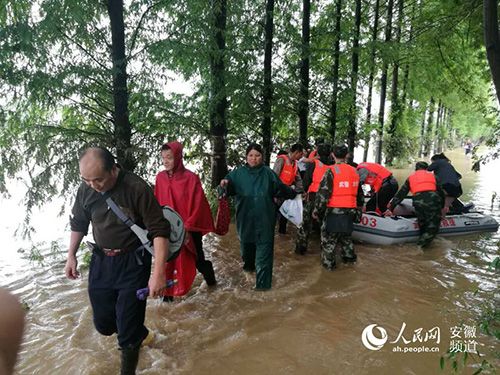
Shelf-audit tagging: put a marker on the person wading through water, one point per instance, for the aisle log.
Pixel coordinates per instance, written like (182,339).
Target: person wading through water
(119,265)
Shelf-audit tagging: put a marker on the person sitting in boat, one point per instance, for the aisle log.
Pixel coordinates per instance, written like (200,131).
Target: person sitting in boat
(338,203)
(287,169)
(449,179)
(428,199)
(382,183)
(312,177)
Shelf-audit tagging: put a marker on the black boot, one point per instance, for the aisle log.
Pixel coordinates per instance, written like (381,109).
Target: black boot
(300,249)
(130,358)
(209,274)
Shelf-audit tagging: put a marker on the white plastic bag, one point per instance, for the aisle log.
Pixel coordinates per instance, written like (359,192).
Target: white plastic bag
(292,210)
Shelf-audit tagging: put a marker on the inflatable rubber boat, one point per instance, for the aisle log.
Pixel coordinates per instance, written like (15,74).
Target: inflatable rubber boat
(403,227)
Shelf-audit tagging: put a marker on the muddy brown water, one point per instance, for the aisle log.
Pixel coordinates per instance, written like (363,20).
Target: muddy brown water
(311,322)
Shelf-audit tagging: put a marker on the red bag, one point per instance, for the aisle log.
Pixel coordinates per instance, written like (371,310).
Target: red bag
(182,270)
(223,217)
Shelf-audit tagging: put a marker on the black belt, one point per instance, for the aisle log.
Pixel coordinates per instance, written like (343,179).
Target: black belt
(113,252)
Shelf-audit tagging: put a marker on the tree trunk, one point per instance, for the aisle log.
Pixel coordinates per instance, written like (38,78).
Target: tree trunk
(268,89)
(436,129)
(218,99)
(492,41)
(442,130)
(370,79)
(335,71)
(303,109)
(123,129)
(396,109)
(428,130)
(406,69)
(422,134)
(351,132)
(383,84)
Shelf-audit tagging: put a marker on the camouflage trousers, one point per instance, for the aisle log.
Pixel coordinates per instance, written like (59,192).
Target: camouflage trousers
(428,212)
(305,229)
(331,243)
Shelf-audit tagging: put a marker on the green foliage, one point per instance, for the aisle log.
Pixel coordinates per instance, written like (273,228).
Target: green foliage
(56,80)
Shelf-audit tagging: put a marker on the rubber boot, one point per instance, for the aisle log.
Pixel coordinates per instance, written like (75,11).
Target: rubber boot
(300,249)
(130,358)
(209,274)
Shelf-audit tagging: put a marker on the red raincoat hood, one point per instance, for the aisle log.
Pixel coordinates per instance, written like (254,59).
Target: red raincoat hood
(183,192)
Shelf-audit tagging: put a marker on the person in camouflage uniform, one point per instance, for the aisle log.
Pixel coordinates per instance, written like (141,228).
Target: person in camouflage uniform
(331,241)
(311,185)
(427,203)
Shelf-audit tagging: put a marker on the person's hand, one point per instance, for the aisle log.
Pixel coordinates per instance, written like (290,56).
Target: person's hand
(222,189)
(156,284)
(388,213)
(315,215)
(70,267)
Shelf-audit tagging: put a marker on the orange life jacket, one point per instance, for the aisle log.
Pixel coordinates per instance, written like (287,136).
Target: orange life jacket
(289,171)
(313,154)
(345,186)
(319,171)
(376,174)
(422,180)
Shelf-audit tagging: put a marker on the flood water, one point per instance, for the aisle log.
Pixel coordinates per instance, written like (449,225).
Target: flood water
(311,322)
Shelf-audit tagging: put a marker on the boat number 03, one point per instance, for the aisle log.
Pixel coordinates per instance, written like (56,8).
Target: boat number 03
(368,222)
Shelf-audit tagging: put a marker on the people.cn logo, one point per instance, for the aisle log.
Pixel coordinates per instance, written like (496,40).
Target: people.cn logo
(370,341)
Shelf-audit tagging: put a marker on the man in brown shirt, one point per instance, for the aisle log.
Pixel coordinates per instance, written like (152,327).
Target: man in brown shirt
(117,268)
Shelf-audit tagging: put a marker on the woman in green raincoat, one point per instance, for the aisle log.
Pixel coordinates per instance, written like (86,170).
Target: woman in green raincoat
(255,185)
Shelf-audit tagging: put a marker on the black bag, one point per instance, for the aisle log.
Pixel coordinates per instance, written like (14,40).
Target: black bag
(339,223)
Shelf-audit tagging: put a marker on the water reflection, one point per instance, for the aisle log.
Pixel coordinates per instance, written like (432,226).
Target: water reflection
(310,322)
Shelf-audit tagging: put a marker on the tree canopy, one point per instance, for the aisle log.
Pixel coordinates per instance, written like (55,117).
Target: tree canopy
(73,75)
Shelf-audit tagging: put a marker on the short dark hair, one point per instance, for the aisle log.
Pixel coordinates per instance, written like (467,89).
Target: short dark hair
(324,150)
(440,156)
(340,151)
(319,141)
(103,154)
(165,147)
(296,147)
(254,146)
(421,165)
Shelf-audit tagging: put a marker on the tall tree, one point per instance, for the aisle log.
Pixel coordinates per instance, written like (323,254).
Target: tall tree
(268,89)
(303,105)
(371,77)
(428,136)
(351,131)
(492,40)
(396,107)
(422,134)
(218,99)
(123,129)
(335,71)
(383,83)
